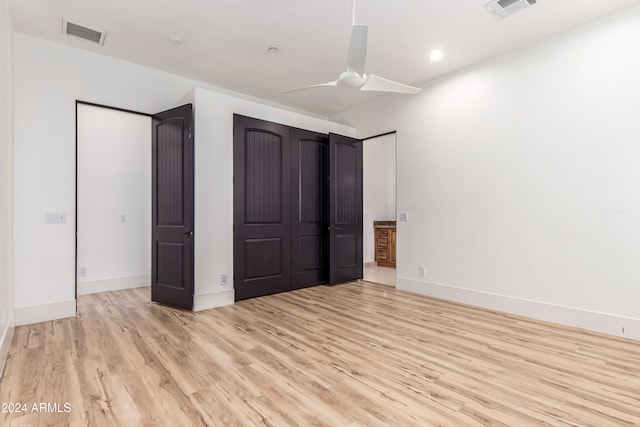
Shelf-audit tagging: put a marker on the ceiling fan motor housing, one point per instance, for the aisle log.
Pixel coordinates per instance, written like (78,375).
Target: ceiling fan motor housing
(351,78)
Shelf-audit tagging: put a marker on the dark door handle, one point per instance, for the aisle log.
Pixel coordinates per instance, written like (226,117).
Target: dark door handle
(188,233)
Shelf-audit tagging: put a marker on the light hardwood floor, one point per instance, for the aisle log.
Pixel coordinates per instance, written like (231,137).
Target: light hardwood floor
(380,275)
(357,354)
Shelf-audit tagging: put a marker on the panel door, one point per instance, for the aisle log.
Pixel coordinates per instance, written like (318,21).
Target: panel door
(262,207)
(309,208)
(172,210)
(345,209)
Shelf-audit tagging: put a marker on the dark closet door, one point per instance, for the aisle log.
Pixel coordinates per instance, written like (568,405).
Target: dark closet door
(172,209)
(262,207)
(345,209)
(309,208)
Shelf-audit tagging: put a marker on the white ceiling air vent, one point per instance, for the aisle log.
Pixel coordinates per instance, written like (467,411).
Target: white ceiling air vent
(72,29)
(503,8)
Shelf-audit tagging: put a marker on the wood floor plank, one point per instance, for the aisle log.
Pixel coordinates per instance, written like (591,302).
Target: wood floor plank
(356,354)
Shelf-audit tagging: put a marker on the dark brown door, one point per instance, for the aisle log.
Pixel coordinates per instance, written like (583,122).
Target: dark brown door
(345,209)
(309,208)
(172,210)
(262,207)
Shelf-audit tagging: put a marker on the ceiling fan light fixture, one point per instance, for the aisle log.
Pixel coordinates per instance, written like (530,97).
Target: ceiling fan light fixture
(351,78)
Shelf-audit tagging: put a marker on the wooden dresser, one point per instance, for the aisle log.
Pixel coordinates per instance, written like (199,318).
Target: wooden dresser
(385,243)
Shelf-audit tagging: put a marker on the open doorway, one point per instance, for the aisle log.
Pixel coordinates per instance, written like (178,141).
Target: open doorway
(379,209)
(113,181)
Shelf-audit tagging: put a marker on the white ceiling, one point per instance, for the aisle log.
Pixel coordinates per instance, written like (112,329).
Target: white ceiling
(226,41)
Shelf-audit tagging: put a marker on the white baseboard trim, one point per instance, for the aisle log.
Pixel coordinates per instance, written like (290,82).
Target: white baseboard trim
(568,316)
(44,313)
(108,285)
(5,343)
(213,300)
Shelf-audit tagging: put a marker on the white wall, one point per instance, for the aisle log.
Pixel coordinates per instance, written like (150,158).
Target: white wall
(522,181)
(214,184)
(379,192)
(49,78)
(114,180)
(6,163)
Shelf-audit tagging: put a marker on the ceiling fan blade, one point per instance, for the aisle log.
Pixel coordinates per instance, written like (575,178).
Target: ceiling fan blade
(357,57)
(380,84)
(333,83)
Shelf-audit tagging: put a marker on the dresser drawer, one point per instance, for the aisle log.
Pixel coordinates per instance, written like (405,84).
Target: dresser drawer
(382,242)
(384,238)
(382,233)
(382,255)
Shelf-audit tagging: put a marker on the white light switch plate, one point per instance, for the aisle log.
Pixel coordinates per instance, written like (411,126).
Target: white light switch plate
(56,218)
(404,216)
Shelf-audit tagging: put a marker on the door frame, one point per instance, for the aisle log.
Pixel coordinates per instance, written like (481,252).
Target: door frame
(108,107)
(392,132)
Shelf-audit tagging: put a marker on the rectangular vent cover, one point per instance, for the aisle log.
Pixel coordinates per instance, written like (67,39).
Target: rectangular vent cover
(502,8)
(72,29)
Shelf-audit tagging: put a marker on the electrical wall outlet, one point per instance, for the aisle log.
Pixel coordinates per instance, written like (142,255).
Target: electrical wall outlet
(224,279)
(123,217)
(422,271)
(82,272)
(404,216)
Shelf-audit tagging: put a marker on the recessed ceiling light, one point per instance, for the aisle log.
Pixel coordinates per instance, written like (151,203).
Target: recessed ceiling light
(273,49)
(436,55)
(176,39)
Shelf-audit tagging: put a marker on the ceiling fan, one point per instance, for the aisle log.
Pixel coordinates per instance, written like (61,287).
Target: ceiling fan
(356,60)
